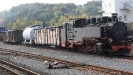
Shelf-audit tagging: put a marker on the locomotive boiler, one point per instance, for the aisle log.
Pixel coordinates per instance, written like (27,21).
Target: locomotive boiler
(102,35)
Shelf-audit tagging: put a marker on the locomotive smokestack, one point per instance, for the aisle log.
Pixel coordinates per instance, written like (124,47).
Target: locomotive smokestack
(98,20)
(114,17)
(87,21)
(104,19)
(93,20)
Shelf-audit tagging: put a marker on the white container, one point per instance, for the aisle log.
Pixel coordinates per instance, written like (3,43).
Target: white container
(28,33)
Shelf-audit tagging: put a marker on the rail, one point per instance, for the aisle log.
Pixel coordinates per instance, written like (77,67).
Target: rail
(73,65)
(8,70)
(14,69)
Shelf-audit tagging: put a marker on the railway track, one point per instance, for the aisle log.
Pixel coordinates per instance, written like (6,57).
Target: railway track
(129,58)
(14,69)
(65,63)
(86,53)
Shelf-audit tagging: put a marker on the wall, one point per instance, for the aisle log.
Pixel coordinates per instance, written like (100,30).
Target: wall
(117,6)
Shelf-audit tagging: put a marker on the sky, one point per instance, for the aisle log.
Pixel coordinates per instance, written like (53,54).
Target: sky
(8,4)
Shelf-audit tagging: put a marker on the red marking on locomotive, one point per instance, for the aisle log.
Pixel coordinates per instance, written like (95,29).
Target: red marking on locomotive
(116,48)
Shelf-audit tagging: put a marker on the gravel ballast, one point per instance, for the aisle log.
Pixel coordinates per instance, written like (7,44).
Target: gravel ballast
(78,57)
(41,68)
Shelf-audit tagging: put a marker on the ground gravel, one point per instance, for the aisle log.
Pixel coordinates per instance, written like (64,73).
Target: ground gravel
(78,57)
(3,72)
(39,67)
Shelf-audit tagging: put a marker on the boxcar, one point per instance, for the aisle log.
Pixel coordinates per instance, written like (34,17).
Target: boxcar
(48,36)
(2,29)
(13,36)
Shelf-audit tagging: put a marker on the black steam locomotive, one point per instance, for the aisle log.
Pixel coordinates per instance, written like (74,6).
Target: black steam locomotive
(104,35)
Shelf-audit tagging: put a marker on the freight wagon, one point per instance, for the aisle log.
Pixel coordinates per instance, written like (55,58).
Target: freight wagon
(48,36)
(2,29)
(13,36)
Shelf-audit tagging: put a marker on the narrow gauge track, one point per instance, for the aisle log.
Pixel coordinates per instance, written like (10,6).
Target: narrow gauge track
(14,69)
(86,53)
(125,58)
(121,58)
(73,65)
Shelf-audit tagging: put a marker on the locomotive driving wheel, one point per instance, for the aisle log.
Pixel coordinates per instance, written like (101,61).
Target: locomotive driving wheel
(81,48)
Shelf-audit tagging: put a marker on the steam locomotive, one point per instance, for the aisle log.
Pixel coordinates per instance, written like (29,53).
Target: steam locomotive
(101,35)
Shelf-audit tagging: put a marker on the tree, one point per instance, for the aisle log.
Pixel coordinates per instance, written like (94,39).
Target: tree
(9,25)
(61,20)
(57,14)
(52,22)
(18,17)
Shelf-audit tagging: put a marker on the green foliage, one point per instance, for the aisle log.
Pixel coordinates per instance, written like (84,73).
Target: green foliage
(18,17)
(61,20)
